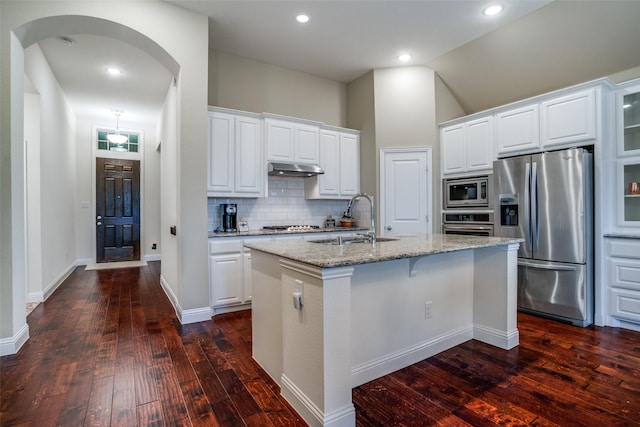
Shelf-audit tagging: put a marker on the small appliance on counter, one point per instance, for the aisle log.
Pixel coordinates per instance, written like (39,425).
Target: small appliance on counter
(330,222)
(229,217)
(243,225)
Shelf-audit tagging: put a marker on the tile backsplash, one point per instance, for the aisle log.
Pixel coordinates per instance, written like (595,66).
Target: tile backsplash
(286,205)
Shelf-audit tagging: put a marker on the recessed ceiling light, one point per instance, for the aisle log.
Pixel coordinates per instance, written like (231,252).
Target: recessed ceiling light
(302,18)
(114,71)
(404,57)
(66,40)
(493,9)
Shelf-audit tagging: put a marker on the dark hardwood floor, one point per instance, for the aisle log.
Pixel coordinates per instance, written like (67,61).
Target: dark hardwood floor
(107,349)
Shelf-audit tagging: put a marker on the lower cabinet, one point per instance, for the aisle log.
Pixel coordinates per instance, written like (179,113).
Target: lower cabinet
(230,269)
(624,279)
(226,271)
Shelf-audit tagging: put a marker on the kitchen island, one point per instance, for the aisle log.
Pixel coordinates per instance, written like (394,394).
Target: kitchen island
(327,317)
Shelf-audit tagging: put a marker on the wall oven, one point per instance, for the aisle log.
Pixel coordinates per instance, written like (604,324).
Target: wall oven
(468,223)
(472,192)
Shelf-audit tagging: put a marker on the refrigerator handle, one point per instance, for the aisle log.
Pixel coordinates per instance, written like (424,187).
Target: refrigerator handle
(535,208)
(527,203)
(554,266)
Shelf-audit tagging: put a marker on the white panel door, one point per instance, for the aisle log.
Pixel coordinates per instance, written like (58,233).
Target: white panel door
(405,191)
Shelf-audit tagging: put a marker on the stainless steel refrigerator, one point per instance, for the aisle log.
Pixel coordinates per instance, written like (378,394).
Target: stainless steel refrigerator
(547,199)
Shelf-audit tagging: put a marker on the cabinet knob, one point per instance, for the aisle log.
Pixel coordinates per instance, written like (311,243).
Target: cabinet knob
(98,223)
(388,227)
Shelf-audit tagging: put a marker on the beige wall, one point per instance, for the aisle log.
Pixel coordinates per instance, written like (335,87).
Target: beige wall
(361,114)
(249,85)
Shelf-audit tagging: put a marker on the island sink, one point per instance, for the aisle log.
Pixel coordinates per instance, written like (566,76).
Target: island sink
(347,240)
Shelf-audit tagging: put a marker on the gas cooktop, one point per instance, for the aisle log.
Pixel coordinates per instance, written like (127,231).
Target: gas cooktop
(291,227)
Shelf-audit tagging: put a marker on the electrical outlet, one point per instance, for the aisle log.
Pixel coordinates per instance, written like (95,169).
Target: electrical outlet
(153,246)
(428,310)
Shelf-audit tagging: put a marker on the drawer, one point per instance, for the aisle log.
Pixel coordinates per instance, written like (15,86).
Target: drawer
(626,248)
(624,304)
(624,273)
(224,246)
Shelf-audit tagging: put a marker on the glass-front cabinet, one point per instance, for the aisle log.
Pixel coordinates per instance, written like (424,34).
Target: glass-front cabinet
(628,155)
(629,187)
(630,143)
(628,119)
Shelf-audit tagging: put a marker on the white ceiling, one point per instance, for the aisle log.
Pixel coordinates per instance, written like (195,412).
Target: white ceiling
(483,60)
(346,39)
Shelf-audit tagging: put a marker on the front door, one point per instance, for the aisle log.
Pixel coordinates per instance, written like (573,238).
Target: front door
(117,210)
(405,191)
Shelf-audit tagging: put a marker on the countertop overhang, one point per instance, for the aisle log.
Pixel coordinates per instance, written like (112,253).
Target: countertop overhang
(407,246)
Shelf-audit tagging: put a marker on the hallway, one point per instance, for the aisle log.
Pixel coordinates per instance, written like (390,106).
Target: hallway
(107,349)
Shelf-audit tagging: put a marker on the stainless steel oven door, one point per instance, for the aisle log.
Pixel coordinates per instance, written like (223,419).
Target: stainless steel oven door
(468,230)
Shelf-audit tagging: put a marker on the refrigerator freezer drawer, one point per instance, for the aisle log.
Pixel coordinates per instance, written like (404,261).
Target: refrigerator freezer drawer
(555,289)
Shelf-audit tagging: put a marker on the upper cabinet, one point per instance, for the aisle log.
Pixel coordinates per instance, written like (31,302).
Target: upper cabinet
(340,160)
(292,141)
(628,155)
(235,155)
(628,121)
(467,147)
(568,119)
(518,130)
(554,122)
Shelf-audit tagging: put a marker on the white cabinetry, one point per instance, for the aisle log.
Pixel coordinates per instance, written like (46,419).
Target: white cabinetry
(518,130)
(560,120)
(467,147)
(340,160)
(292,141)
(628,156)
(230,268)
(236,167)
(624,279)
(568,119)
(226,273)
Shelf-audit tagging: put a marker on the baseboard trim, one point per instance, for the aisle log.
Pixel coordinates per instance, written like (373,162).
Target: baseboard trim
(345,416)
(51,288)
(378,367)
(496,337)
(83,261)
(35,297)
(12,345)
(153,257)
(193,315)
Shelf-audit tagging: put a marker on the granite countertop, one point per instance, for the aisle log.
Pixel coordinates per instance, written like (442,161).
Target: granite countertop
(623,235)
(407,246)
(261,232)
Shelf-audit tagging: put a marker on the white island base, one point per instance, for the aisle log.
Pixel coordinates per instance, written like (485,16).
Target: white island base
(361,322)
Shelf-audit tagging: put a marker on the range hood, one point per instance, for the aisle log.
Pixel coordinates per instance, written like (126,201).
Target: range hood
(291,169)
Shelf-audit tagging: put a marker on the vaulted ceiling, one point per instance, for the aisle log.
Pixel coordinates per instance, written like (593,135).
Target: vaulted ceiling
(534,47)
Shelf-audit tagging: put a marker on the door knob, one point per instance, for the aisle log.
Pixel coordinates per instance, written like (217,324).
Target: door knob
(388,227)
(98,223)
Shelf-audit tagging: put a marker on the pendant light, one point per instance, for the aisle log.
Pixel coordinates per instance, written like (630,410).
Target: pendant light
(116,138)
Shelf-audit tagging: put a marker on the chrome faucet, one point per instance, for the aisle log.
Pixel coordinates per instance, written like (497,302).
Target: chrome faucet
(372,230)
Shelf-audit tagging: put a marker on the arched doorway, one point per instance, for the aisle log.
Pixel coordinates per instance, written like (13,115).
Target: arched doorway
(24,36)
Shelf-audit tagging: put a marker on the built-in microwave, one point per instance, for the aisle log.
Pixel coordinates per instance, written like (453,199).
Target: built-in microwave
(472,192)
